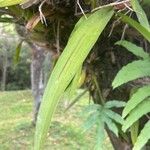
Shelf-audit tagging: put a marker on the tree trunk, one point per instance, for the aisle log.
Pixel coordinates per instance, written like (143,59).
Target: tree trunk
(37,84)
(118,143)
(104,63)
(4,71)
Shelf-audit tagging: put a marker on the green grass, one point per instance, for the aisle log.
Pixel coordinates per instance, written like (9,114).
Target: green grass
(17,132)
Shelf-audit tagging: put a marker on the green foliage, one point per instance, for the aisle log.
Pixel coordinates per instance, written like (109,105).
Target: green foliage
(139,103)
(17,76)
(134,130)
(136,25)
(132,71)
(140,14)
(100,116)
(137,98)
(5,3)
(17,53)
(79,45)
(143,137)
(136,50)
(114,103)
(140,110)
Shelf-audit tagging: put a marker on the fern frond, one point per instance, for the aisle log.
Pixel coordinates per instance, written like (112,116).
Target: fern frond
(114,116)
(136,50)
(143,137)
(111,125)
(92,108)
(142,109)
(136,98)
(91,121)
(132,71)
(114,103)
(100,136)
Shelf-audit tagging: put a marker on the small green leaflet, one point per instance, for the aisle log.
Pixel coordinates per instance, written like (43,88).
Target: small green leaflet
(132,71)
(142,109)
(143,137)
(114,116)
(78,47)
(100,136)
(111,125)
(114,103)
(17,52)
(136,98)
(136,50)
(134,130)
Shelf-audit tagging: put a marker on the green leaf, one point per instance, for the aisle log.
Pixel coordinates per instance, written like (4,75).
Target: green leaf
(78,47)
(111,125)
(92,108)
(114,103)
(100,136)
(17,52)
(136,50)
(136,98)
(140,14)
(132,71)
(136,25)
(143,137)
(74,84)
(74,101)
(91,121)
(134,129)
(114,116)
(142,109)
(5,3)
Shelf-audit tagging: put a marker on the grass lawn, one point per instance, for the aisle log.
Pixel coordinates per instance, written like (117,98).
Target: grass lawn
(17,132)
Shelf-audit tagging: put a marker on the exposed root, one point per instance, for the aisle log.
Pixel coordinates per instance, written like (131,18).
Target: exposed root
(42,17)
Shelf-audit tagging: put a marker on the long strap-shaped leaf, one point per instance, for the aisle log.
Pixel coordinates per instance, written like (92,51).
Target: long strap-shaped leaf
(79,45)
(5,3)
(143,137)
(136,25)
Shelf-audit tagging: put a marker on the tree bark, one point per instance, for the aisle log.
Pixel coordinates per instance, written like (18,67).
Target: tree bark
(4,71)
(37,84)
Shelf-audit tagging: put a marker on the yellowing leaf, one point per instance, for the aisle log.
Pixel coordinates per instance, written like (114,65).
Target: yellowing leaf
(5,3)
